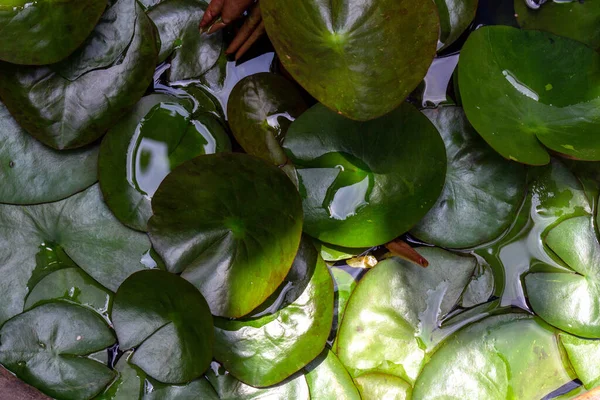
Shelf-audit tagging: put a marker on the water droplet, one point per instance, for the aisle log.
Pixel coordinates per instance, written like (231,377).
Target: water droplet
(521,87)
(11,164)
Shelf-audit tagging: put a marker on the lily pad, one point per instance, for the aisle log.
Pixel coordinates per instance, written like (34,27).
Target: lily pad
(579,20)
(392,333)
(455,18)
(32,173)
(45,31)
(168,322)
(143,148)
(80,226)
(231,225)
(365,183)
(506,356)
(260,109)
(345,284)
(570,300)
(129,384)
(192,53)
(361,59)
(518,107)
(264,351)
(375,386)
(583,356)
(333,253)
(195,390)
(63,113)
(47,348)
(482,193)
(328,379)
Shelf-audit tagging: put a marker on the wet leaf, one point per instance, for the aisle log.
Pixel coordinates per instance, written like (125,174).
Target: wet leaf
(260,109)
(551,100)
(365,183)
(361,59)
(196,389)
(332,253)
(66,114)
(570,300)
(345,283)
(264,351)
(191,53)
(32,173)
(80,226)
(583,356)
(392,332)
(482,192)
(328,379)
(129,384)
(480,289)
(159,134)
(579,20)
(374,386)
(47,348)
(45,31)
(506,356)
(234,205)
(455,18)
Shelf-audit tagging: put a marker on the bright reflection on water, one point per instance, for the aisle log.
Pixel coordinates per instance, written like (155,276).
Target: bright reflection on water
(521,87)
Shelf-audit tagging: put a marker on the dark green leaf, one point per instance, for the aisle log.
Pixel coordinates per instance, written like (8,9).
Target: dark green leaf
(67,114)
(455,18)
(231,224)
(140,150)
(129,384)
(553,97)
(376,386)
(46,347)
(199,389)
(33,173)
(328,379)
(482,192)
(45,31)
(264,351)
(169,323)
(365,183)
(83,227)
(501,357)
(359,58)
(583,356)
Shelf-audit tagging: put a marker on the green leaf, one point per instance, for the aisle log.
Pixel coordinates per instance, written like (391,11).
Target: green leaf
(583,356)
(66,114)
(168,322)
(32,173)
(199,389)
(45,31)
(501,357)
(192,53)
(480,289)
(375,386)
(333,253)
(570,300)
(234,205)
(365,183)
(345,284)
(523,90)
(260,109)
(159,134)
(482,192)
(328,379)
(129,384)
(455,18)
(266,350)
(359,58)
(229,388)
(80,226)
(47,348)
(393,332)
(579,20)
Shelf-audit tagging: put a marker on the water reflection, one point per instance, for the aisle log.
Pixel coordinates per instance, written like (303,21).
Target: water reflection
(521,87)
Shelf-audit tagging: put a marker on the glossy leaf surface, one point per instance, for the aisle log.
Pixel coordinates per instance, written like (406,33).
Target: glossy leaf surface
(236,242)
(328,379)
(196,389)
(365,183)
(583,356)
(129,384)
(359,58)
(455,18)
(374,386)
(168,322)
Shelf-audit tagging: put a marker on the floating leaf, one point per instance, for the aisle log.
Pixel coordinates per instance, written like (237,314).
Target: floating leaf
(392,332)
(168,322)
(506,356)
(195,390)
(159,134)
(345,283)
(47,348)
(482,192)
(579,20)
(365,183)
(583,356)
(81,226)
(519,107)
(264,351)
(375,386)
(192,53)
(66,114)
(231,224)
(333,253)
(570,300)
(45,31)
(33,173)
(328,379)
(455,18)
(361,59)
(129,384)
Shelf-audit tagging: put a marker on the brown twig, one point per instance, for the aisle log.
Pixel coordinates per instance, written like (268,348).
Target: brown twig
(401,249)
(13,388)
(593,394)
(250,24)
